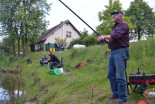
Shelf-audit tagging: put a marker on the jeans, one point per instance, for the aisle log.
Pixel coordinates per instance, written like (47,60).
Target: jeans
(116,72)
(42,62)
(53,64)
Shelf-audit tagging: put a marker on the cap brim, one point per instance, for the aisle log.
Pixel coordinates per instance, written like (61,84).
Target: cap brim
(114,13)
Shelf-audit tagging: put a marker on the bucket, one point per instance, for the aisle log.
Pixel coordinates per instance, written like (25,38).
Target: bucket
(56,72)
(61,69)
(51,50)
(142,102)
(150,98)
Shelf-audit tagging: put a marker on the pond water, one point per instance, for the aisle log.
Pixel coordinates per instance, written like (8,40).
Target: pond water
(11,88)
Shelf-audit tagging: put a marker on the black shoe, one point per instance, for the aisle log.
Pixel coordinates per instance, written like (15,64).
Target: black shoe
(113,97)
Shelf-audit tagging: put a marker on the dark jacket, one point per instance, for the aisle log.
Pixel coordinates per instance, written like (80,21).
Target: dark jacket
(53,58)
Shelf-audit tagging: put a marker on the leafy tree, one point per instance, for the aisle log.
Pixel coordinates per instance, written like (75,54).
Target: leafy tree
(7,21)
(33,18)
(84,33)
(143,17)
(106,19)
(61,41)
(5,46)
(23,20)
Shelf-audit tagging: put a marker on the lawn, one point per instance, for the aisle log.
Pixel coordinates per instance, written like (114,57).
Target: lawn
(75,87)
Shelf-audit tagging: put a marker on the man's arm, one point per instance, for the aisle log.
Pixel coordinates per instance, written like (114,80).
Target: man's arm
(106,40)
(106,37)
(51,59)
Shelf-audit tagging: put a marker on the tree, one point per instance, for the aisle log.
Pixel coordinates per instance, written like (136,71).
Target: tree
(143,17)
(33,18)
(5,46)
(23,20)
(7,21)
(61,41)
(105,18)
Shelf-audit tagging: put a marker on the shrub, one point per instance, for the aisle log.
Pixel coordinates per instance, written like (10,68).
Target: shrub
(87,40)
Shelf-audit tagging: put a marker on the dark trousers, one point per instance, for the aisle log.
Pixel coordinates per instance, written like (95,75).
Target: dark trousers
(53,64)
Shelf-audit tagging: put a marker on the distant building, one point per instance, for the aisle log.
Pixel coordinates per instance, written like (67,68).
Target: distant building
(63,30)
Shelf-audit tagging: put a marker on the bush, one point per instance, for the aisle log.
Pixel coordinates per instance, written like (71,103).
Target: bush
(87,40)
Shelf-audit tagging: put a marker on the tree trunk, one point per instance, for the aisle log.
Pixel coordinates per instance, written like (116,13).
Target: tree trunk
(138,31)
(139,36)
(18,46)
(13,47)
(27,46)
(23,45)
(21,31)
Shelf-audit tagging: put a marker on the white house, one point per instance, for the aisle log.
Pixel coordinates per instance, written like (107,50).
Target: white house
(63,30)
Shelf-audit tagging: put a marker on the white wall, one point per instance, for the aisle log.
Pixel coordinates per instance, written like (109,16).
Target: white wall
(61,32)
(36,46)
(74,34)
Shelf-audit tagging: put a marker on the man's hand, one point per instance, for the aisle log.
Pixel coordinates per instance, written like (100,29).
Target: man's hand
(46,61)
(100,38)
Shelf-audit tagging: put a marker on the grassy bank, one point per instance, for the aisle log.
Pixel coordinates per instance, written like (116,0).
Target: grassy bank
(75,87)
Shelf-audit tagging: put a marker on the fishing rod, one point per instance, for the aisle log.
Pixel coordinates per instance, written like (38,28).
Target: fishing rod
(82,20)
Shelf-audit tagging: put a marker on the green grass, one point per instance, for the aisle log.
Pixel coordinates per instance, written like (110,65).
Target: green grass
(75,87)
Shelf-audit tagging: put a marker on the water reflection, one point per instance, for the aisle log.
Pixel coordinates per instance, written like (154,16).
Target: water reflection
(11,88)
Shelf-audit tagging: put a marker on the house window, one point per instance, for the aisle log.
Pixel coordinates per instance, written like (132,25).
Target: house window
(68,34)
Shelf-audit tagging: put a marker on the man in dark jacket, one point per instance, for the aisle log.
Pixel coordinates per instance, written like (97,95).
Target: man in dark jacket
(118,42)
(53,59)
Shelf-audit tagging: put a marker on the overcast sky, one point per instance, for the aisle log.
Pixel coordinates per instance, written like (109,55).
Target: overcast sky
(86,9)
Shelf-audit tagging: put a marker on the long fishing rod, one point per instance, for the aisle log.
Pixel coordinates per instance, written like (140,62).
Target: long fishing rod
(82,20)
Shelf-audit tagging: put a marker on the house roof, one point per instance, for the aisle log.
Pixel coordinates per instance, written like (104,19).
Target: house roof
(53,29)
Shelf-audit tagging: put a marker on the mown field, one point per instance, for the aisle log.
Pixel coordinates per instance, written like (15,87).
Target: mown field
(75,87)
